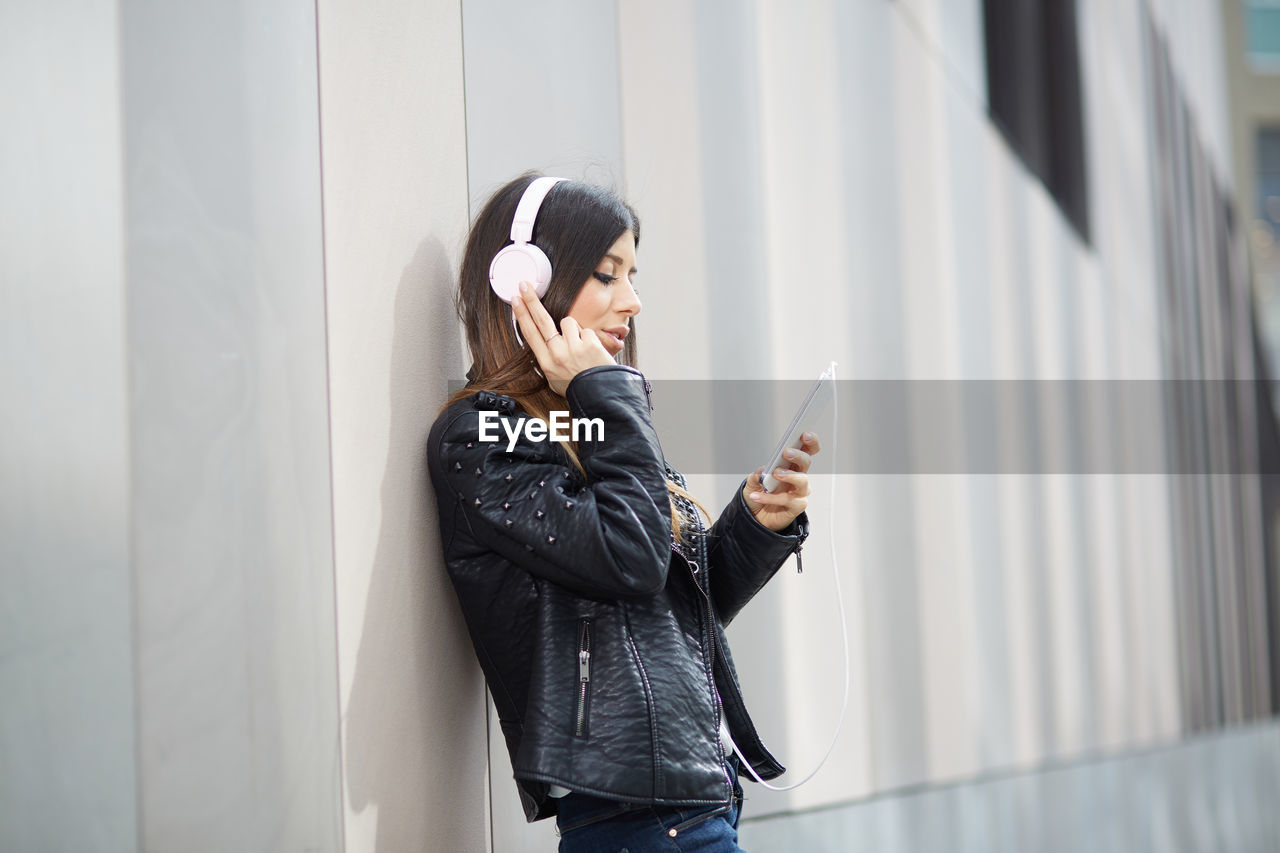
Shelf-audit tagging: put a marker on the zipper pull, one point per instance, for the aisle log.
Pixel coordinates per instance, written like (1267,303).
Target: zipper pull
(799,564)
(584,666)
(648,389)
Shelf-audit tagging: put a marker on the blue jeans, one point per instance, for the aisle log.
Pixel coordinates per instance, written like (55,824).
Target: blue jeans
(593,825)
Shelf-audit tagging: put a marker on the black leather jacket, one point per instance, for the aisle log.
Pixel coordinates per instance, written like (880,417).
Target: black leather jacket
(602,645)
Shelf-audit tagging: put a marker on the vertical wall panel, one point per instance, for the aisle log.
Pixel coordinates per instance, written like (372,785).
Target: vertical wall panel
(1010,526)
(395,199)
(931,296)
(791,633)
(542,91)
(952,30)
(68,780)
(1194,31)
(237,688)
(658,57)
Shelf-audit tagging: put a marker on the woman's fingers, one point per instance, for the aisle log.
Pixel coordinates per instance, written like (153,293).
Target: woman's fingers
(798,459)
(561,354)
(572,332)
(793,501)
(801,458)
(546,326)
(792,483)
(529,328)
(776,509)
(809,443)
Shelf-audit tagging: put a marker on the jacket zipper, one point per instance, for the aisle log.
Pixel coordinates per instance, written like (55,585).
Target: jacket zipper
(711,644)
(584,676)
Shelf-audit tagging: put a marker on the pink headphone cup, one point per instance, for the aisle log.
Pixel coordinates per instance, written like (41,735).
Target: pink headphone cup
(516,263)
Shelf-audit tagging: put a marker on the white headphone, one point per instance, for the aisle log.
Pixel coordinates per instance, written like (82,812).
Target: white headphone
(523,261)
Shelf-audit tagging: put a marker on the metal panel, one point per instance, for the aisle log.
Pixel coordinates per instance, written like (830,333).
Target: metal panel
(237,676)
(68,779)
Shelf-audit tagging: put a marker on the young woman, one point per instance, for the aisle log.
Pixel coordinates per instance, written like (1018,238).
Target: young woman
(595,596)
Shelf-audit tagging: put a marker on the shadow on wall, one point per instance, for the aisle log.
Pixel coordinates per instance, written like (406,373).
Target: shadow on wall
(416,735)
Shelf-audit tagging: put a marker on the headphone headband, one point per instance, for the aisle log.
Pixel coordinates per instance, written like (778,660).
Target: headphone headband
(527,209)
(522,260)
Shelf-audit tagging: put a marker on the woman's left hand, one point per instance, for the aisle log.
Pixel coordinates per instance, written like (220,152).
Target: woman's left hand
(776,509)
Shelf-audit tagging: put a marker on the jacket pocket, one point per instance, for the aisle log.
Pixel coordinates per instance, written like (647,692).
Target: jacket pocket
(580,721)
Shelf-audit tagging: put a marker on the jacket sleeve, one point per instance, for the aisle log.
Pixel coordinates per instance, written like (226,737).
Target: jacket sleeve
(606,538)
(743,554)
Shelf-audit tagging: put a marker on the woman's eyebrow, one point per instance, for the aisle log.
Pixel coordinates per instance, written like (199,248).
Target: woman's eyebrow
(617,260)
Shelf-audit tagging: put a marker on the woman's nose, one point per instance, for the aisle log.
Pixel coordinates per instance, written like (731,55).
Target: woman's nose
(628,301)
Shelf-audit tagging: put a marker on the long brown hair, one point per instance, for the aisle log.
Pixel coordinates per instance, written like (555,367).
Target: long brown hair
(576,225)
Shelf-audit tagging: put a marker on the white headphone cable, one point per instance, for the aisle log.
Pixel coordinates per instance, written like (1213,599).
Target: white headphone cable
(844,630)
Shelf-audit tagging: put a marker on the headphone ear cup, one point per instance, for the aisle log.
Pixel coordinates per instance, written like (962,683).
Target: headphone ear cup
(516,263)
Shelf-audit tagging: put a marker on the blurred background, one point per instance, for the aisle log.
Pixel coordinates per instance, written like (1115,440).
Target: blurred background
(228,237)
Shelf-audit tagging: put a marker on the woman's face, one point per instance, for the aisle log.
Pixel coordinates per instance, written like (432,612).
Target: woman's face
(608,300)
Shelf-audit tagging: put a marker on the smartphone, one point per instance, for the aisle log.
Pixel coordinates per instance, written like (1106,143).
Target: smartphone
(806,419)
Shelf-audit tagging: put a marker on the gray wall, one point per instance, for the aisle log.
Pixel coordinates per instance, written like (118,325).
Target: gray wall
(68,778)
(234,625)
(395,201)
(168,647)
(542,92)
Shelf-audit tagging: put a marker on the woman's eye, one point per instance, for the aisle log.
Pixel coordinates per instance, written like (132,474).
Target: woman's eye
(605,278)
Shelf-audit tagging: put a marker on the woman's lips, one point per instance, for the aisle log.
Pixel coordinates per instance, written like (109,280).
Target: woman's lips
(611,340)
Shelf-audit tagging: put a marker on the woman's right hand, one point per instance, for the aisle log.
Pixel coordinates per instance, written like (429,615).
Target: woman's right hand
(561,354)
